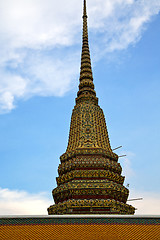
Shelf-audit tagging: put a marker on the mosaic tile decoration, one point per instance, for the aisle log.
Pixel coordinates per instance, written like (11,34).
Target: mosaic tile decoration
(80,228)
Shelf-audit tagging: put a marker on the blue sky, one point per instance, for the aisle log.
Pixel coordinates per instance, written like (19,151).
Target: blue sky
(40,47)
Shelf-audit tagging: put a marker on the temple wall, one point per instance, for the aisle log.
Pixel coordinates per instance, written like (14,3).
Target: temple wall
(76,227)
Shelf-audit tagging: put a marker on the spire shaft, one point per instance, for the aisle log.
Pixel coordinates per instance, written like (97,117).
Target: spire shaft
(86,70)
(86,86)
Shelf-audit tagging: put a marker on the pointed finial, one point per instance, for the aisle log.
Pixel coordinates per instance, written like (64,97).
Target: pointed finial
(84,9)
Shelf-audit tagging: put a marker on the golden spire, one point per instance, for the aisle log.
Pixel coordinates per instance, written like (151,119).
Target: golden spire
(86,77)
(90,180)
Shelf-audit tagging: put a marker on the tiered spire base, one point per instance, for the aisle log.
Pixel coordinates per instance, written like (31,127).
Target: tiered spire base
(90,183)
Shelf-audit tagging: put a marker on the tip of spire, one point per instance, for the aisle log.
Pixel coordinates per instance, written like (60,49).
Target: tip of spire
(84,9)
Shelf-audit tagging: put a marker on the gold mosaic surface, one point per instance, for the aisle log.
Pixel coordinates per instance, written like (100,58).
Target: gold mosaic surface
(101,174)
(88,128)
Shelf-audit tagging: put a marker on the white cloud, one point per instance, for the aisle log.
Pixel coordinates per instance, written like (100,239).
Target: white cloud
(6,102)
(38,40)
(12,85)
(51,76)
(33,24)
(123,24)
(15,202)
(150,205)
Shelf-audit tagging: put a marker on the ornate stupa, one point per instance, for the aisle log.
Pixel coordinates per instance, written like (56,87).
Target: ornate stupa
(90,180)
